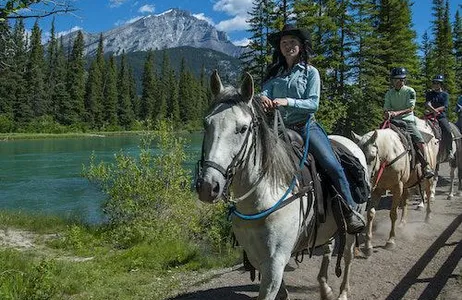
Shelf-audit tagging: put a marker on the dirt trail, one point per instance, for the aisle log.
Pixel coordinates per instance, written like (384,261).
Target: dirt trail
(425,264)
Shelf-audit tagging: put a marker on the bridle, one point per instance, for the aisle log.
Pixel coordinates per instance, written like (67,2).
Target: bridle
(238,160)
(383,164)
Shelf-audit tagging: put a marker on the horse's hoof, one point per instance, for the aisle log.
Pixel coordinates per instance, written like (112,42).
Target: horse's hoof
(420,206)
(428,218)
(390,245)
(368,251)
(449,197)
(342,297)
(402,225)
(327,295)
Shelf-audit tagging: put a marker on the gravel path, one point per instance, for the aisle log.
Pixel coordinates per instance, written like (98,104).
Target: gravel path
(425,264)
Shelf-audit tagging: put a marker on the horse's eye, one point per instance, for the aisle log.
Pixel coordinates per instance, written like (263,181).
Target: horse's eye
(243,129)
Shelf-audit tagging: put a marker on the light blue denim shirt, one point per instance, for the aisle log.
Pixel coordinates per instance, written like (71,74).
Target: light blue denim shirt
(301,87)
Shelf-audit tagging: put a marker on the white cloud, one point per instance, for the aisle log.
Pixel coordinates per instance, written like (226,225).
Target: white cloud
(132,20)
(233,7)
(146,9)
(243,42)
(116,3)
(235,24)
(75,28)
(237,10)
(201,16)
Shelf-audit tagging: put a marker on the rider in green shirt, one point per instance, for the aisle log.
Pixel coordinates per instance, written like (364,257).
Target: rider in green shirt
(399,104)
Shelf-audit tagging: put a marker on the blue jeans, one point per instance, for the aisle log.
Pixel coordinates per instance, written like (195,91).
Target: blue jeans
(320,147)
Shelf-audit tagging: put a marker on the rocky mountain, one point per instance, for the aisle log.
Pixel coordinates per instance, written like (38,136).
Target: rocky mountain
(171,29)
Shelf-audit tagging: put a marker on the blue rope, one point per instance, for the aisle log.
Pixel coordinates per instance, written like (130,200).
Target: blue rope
(270,210)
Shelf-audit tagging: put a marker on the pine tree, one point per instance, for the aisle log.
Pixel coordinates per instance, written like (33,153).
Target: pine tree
(188,95)
(173,107)
(443,59)
(51,77)
(60,97)
(125,113)
(22,107)
(369,73)
(7,83)
(134,98)
(73,111)
(110,104)
(426,61)
(457,35)
(395,29)
(162,105)
(258,53)
(149,85)
(35,75)
(95,89)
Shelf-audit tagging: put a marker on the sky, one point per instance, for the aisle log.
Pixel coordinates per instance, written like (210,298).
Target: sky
(95,16)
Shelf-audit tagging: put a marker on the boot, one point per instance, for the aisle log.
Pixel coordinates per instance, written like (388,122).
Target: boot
(355,222)
(427,171)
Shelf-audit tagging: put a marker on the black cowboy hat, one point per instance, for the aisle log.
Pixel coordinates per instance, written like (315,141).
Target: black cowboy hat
(289,29)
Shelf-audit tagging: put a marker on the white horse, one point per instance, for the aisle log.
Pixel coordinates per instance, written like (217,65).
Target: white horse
(454,160)
(389,164)
(241,151)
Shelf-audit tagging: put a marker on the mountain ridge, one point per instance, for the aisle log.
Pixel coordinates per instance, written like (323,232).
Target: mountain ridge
(171,29)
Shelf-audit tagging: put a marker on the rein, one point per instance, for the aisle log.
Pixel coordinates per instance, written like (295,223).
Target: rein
(283,199)
(386,164)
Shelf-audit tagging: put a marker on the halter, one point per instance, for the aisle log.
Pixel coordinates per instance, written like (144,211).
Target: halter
(384,164)
(238,161)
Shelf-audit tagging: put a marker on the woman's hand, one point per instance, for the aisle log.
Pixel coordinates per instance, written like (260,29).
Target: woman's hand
(267,103)
(280,101)
(388,114)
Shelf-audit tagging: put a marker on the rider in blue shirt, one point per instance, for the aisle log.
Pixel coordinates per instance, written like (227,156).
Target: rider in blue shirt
(294,86)
(437,101)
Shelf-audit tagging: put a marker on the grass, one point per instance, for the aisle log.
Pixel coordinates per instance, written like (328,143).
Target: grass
(79,263)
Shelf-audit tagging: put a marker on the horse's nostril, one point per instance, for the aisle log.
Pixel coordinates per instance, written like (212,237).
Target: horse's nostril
(216,189)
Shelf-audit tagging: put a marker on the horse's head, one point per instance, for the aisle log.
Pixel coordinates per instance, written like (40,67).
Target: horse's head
(368,145)
(227,132)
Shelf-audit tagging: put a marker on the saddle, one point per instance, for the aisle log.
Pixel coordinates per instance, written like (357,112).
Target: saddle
(444,141)
(400,127)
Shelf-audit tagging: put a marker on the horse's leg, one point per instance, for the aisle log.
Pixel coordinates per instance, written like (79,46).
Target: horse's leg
(397,194)
(283,294)
(431,196)
(428,185)
(452,175)
(348,255)
(403,205)
(271,278)
(325,289)
(375,198)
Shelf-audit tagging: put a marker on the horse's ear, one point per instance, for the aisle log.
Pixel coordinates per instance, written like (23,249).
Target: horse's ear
(247,88)
(373,137)
(355,137)
(215,83)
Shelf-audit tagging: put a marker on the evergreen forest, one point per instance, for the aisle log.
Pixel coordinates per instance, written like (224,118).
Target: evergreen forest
(51,87)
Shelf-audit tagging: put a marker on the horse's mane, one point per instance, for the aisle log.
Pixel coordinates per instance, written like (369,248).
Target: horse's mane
(276,162)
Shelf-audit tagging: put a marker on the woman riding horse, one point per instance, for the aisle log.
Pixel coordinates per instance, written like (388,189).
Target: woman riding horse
(294,86)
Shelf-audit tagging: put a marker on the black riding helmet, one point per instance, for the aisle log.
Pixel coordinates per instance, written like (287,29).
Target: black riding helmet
(398,73)
(438,78)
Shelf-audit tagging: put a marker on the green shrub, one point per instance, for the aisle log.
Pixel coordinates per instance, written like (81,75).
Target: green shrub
(149,196)
(6,123)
